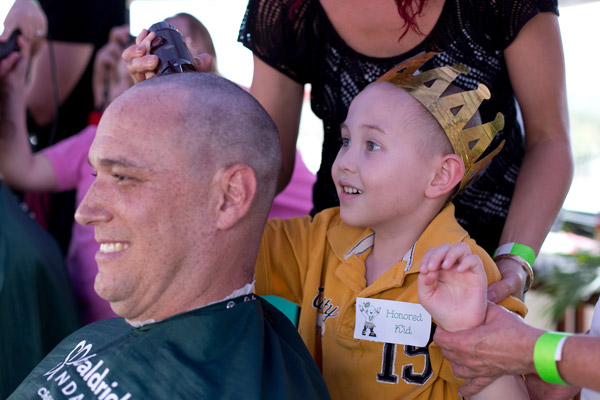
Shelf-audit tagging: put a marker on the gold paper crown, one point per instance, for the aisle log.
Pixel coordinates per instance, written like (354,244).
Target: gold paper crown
(452,112)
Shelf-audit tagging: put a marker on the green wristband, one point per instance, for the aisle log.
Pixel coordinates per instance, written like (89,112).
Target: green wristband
(545,356)
(517,249)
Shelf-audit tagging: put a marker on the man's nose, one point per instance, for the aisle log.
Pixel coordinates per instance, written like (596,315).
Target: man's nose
(92,209)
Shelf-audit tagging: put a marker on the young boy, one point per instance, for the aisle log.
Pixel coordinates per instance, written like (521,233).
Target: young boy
(354,268)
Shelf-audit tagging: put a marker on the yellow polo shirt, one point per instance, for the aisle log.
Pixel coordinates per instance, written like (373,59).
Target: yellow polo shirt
(319,264)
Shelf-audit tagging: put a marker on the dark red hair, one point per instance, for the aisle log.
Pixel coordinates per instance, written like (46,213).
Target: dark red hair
(408,10)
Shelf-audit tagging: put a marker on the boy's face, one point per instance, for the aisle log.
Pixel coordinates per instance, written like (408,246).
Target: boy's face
(382,169)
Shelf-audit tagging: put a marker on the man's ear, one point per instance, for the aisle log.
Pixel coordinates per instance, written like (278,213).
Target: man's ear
(237,188)
(450,172)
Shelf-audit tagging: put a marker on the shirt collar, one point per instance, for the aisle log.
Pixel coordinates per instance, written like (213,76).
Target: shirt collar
(244,290)
(347,241)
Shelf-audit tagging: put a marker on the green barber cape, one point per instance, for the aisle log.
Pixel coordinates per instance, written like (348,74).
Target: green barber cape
(37,305)
(235,349)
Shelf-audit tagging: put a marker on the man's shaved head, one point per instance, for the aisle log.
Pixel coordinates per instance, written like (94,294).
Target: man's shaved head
(186,168)
(218,122)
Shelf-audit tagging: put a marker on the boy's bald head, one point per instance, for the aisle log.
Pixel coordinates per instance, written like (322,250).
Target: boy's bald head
(433,139)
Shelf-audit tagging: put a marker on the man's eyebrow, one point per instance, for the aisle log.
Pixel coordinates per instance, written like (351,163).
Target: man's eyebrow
(108,163)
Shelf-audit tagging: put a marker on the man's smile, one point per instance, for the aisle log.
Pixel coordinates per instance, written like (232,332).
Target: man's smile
(113,247)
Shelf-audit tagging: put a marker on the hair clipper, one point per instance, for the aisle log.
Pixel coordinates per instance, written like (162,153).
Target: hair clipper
(169,46)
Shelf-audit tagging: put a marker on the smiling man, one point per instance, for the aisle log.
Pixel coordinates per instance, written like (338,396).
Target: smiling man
(186,167)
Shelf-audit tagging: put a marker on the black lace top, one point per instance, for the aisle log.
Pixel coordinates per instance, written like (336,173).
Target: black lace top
(301,43)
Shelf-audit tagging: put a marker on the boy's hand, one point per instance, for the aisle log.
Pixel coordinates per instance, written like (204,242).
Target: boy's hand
(452,287)
(141,64)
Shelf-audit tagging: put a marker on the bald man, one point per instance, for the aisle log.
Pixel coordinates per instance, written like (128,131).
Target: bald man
(186,167)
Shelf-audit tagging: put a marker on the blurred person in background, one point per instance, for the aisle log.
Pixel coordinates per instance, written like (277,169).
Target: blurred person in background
(64,166)
(37,305)
(59,89)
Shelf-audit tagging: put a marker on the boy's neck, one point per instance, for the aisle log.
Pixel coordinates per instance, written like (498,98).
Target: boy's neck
(384,255)
(391,244)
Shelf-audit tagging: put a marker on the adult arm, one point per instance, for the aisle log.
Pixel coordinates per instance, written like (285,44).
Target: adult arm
(536,67)
(70,60)
(282,97)
(504,345)
(19,167)
(540,390)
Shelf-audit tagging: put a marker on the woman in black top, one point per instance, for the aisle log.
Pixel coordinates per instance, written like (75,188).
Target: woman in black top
(511,46)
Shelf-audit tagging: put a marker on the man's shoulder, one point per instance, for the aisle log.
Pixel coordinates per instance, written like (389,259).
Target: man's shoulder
(107,329)
(98,333)
(218,351)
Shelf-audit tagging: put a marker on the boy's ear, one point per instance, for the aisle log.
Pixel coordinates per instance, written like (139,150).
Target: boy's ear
(449,174)
(237,188)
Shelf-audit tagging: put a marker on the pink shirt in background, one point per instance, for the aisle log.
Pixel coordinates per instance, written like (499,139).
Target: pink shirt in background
(296,199)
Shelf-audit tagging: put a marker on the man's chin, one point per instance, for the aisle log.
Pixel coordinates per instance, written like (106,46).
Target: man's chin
(120,308)
(100,288)
(107,292)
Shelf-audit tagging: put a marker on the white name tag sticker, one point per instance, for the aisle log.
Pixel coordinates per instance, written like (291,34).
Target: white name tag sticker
(391,321)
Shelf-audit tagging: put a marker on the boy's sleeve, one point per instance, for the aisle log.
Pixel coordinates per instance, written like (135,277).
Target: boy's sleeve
(493,275)
(283,258)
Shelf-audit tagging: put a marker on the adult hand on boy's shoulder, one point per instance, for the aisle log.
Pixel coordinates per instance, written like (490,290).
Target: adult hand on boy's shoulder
(452,287)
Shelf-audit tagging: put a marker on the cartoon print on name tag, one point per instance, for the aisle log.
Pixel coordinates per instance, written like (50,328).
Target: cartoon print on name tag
(369,312)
